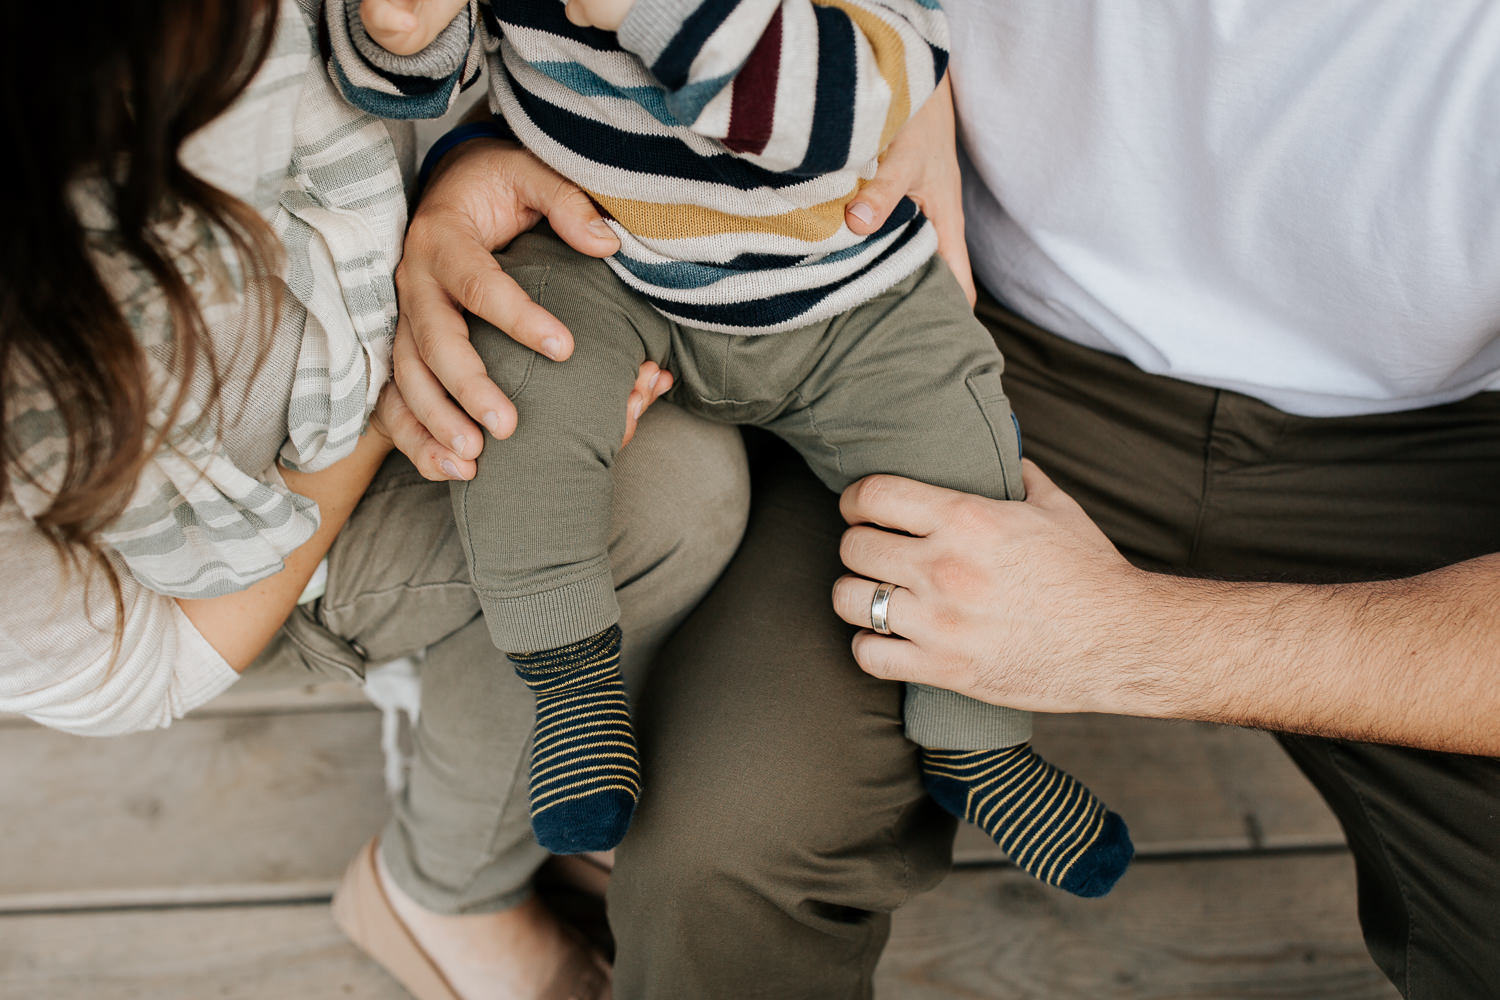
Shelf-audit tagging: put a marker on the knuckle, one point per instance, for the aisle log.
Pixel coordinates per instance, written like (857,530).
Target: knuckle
(472,292)
(967,512)
(952,574)
(872,490)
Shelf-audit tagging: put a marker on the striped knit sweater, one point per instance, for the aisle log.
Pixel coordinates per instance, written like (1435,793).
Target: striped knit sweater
(722,137)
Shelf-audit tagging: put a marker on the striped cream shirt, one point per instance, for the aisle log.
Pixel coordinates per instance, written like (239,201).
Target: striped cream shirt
(210,514)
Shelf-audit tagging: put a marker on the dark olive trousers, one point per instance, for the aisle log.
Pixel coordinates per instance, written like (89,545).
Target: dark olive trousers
(809,822)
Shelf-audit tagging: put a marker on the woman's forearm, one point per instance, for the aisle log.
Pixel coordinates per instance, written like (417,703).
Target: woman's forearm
(239,625)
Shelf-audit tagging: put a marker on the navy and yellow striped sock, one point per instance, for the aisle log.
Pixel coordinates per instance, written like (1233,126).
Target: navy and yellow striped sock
(585,768)
(1042,817)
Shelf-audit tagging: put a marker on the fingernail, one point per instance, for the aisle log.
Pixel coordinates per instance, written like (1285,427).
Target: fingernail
(636,406)
(655,378)
(552,347)
(460,443)
(601,229)
(864,213)
(492,423)
(449,469)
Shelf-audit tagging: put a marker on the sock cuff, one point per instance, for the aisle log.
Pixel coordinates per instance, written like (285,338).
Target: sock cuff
(550,670)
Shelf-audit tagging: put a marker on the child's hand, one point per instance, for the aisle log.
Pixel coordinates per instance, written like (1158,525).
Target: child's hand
(404,27)
(604,14)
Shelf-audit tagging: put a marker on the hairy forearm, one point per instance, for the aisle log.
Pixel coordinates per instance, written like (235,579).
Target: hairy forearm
(241,624)
(1411,661)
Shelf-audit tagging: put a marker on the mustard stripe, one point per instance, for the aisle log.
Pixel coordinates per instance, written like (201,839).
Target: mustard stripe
(1040,812)
(549,765)
(618,716)
(563,701)
(573,790)
(650,220)
(583,795)
(1017,791)
(1070,816)
(1018,813)
(542,790)
(1083,848)
(1066,804)
(1074,837)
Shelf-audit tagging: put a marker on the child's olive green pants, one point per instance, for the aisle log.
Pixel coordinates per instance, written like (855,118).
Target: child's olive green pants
(907,383)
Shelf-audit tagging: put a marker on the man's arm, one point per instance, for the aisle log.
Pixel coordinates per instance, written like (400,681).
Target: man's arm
(1029,605)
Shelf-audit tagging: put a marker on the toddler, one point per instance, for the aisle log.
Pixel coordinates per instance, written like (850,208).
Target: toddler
(723,139)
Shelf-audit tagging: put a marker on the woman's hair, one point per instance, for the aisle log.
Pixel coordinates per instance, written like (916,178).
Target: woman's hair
(107,93)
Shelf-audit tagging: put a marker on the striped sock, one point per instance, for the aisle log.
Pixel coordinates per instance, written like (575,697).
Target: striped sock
(1050,825)
(585,769)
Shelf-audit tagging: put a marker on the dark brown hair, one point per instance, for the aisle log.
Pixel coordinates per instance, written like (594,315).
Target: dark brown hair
(108,92)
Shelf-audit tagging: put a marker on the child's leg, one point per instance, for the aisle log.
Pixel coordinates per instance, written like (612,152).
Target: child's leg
(534,522)
(909,384)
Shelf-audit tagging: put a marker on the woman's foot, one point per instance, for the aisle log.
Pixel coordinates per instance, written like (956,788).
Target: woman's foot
(522,953)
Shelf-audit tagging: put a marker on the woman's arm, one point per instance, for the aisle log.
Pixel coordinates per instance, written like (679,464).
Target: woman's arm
(1027,604)
(239,625)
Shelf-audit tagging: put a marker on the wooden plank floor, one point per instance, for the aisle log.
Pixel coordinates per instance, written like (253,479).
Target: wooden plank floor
(197,862)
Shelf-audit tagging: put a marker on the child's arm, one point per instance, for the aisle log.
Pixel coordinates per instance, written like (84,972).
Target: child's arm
(799,86)
(403,58)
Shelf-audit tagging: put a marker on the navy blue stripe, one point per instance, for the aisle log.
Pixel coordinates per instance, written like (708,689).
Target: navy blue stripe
(661,156)
(777,309)
(676,60)
(939,61)
(833,108)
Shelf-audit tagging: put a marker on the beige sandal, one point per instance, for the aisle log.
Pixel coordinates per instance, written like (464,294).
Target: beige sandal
(364,912)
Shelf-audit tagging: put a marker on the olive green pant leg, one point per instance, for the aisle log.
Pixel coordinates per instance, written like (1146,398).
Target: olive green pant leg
(783,817)
(1193,480)
(460,839)
(908,383)
(534,520)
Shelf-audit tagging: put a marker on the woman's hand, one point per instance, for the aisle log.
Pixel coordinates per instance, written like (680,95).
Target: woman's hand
(1018,603)
(481,196)
(921,163)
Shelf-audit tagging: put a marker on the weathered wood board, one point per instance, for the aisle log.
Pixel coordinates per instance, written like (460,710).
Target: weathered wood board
(1225,928)
(1278,927)
(241,806)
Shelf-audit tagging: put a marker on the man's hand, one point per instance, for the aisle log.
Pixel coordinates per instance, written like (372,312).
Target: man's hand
(921,163)
(1027,604)
(405,27)
(1008,602)
(482,195)
(606,15)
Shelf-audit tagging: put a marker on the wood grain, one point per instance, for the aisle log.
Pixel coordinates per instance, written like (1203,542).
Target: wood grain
(231,809)
(231,953)
(1252,927)
(243,806)
(1257,928)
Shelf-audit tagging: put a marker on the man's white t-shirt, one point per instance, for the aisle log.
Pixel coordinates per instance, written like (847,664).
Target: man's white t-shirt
(1295,199)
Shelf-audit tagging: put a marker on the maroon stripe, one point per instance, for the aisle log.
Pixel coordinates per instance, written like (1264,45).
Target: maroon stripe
(754,103)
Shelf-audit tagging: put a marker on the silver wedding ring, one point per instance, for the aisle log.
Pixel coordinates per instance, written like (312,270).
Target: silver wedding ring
(880,606)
